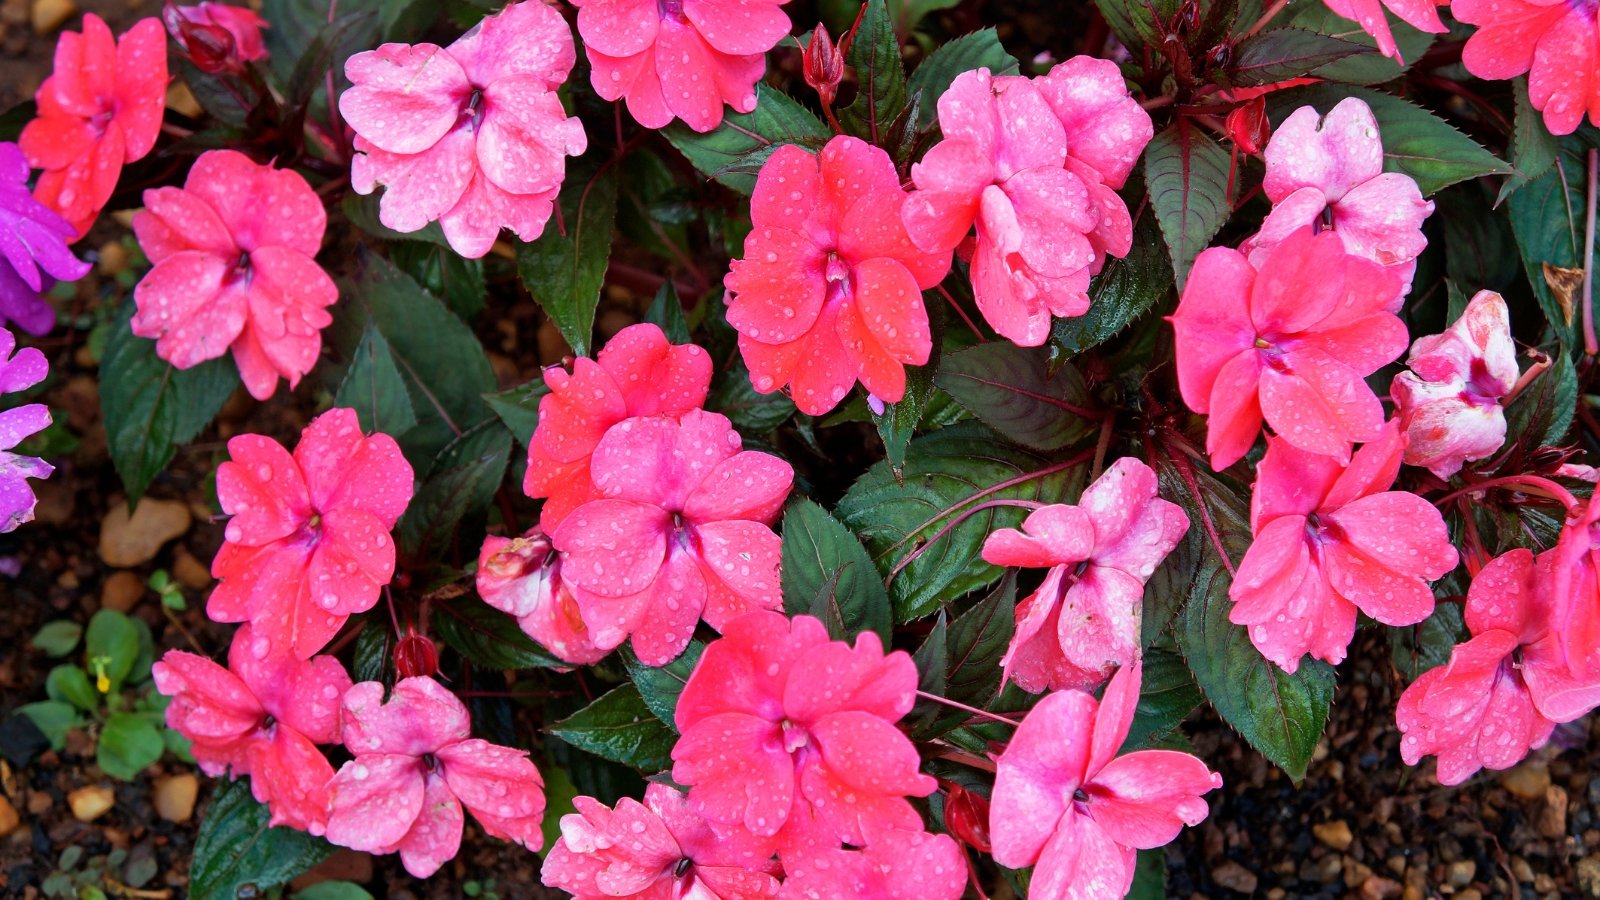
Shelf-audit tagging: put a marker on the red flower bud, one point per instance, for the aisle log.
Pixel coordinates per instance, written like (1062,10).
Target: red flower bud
(1248,127)
(210,47)
(416,655)
(966,817)
(824,65)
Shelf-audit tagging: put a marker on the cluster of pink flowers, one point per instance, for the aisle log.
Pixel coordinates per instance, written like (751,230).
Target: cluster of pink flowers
(654,517)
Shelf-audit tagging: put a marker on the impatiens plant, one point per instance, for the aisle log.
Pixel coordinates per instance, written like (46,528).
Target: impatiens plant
(738,461)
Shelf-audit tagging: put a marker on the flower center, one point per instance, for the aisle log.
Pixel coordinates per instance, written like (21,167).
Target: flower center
(241,268)
(795,737)
(682,868)
(670,9)
(430,762)
(1480,389)
(1271,354)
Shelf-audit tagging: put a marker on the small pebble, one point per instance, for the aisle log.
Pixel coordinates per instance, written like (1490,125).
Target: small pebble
(91,802)
(1235,877)
(173,797)
(10,820)
(1335,834)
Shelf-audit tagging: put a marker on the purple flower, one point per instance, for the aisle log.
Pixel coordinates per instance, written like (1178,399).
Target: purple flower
(33,246)
(24,370)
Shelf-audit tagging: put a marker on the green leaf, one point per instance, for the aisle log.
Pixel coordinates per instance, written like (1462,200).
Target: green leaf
(564,272)
(235,847)
(69,684)
(735,396)
(1012,390)
(1363,68)
(373,387)
(1417,648)
(57,638)
(874,54)
(972,647)
(371,658)
(660,686)
(901,418)
(438,356)
(1284,53)
(1166,697)
(947,473)
(1415,141)
(461,483)
(518,408)
(444,273)
(362,211)
(621,728)
(1125,290)
(559,792)
(112,639)
(975,50)
(666,312)
(827,574)
(1187,171)
(1479,248)
(1149,876)
(1542,414)
(150,407)
(734,151)
(488,637)
(332,890)
(128,743)
(1134,21)
(1279,714)
(53,718)
(1533,147)
(1547,217)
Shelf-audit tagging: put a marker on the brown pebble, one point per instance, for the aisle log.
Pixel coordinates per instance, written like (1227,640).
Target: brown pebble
(10,819)
(1335,834)
(1521,869)
(190,572)
(133,539)
(1469,894)
(1587,873)
(1552,819)
(173,797)
(113,258)
(181,100)
(1527,781)
(1461,872)
(48,15)
(1235,877)
(121,591)
(91,802)
(1380,889)
(39,803)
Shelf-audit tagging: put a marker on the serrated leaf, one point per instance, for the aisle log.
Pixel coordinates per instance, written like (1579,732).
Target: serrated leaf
(621,728)
(1187,171)
(1134,22)
(564,272)
(235,847)
(518,408)
(444,273)
(1415,141)
(150,407)
(975,50)
(660,686)
(1363,68)
(461,482)
(1284,53)
(1547,217)
(128,743)
(1417,648)
(828,574)
(734,151)
(1533,147)
(1542,414)
(372,386)
(1166,697)
(946,474)
(1125,290)
(488,637)
(874,54)
(1013,390)
(973,645)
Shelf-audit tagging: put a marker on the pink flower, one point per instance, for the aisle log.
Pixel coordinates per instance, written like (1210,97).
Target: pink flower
(262,716)
(1449,403)
(1067,805)
(522,578)
(99,110)
(415,768)
(681,531)
(638,373)
(1420,14)
(1083,621)
(473,134)
(1004,166)
(1554,41)
(1504,691)
(1331,539)
(1290,341)
(1327,174)
(308,545)
(1574,583)
(680,58)
(660,849)
(792,735)
(235,268)
(17,373)
(829,291)
(894,865)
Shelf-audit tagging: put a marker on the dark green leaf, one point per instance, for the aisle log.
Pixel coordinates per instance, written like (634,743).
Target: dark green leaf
(1533,147)
(1480,251)
(372,653)
(1124,291)
(1166,697)
(1014,392)
(827,573)
(874,54)
(1284,53)
(733,395)
(333,890)
(150,407)
(362,211)
(235,847)
(975,50)
(461,483)
(1363,68)
(972,646)
(518,408)
(660,686)
(57,638)
(128,743)
(733,152)
(1149,876)
(564,272)
(621,728)
(1135,22)
(1542,414)
(947,473)
(13,120)
(111,645)
(69,684)
(1547,217)
(901,418)
(666,312)
(488,637)
(1415,141)
(1187,171)
(446,274)
(373,387)
(1417,648)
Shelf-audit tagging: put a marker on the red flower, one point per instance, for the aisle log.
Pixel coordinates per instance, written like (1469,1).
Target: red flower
(99,110)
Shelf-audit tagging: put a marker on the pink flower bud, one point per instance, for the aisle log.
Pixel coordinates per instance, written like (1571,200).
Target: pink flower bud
(210,47)
(966,817)
(1248,127)
(824,65)
(416,656)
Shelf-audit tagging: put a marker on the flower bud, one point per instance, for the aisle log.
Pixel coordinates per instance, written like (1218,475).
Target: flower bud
(824,65)
(416,655)
(1248,127)
(210,47)
(966,817)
